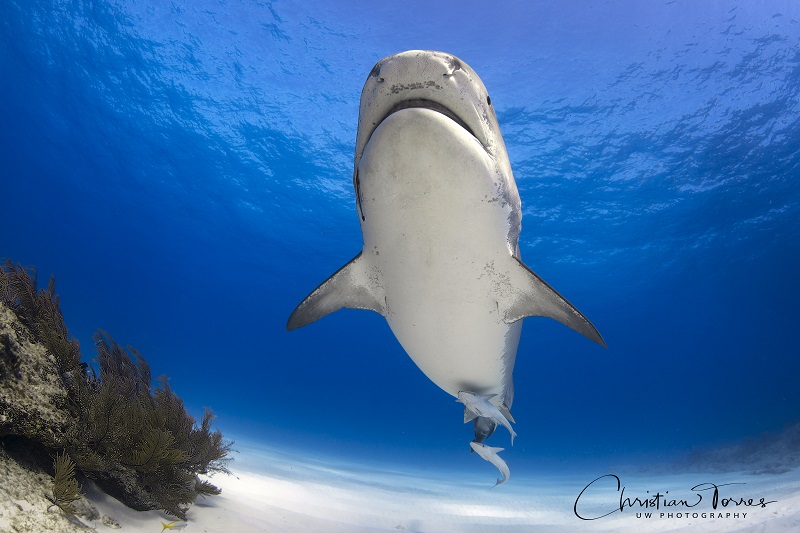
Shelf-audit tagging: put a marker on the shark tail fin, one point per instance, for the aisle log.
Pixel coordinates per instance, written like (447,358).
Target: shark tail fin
(349,287)
(534,297)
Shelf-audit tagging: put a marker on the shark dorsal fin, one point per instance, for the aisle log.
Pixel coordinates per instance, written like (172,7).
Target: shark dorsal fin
(351,286)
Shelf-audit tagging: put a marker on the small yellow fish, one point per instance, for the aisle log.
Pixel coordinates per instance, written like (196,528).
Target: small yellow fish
(175,524)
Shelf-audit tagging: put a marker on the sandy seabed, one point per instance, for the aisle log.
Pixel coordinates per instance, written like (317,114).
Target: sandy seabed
(275,491)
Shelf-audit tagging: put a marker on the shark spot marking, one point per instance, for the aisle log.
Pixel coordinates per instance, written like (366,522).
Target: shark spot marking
(398,88)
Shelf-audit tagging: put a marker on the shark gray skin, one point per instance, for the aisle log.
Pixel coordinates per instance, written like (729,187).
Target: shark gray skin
(479,406)
(440,217)
(490,454)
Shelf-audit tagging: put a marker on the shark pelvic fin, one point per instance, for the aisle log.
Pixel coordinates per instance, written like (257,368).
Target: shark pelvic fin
(349,287)
(534,297)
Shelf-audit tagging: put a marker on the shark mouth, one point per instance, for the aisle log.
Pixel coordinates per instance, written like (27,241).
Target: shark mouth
(426,104)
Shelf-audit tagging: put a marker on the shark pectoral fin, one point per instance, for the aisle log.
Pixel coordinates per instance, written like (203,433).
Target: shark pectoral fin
(534,297)
(469,415)
(349,287)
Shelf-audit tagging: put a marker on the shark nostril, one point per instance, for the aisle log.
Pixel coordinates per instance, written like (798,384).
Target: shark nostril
(453,65)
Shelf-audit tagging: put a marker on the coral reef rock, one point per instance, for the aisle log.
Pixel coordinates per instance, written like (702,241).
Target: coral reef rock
(32,396)
(23,506)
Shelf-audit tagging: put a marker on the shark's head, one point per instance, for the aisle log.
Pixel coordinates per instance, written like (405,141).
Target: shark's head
(484,450)
(465,397)
(432,80)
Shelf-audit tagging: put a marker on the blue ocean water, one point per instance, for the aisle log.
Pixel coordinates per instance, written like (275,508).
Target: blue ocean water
(184,170)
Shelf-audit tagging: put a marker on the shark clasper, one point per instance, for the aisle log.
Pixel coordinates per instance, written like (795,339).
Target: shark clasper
(440,216)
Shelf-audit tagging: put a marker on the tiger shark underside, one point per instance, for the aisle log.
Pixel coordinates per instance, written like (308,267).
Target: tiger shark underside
(440,216)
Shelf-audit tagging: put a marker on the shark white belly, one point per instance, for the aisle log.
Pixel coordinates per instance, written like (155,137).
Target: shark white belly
(435,227)
(440,216)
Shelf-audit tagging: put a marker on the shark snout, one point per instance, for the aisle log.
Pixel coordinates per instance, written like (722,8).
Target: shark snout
(430,79)
(426,67)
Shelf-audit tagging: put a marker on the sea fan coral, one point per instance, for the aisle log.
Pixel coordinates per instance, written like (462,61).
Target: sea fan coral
(136,442)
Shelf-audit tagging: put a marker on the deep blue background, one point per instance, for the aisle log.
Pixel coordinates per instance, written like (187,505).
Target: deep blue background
(185,172)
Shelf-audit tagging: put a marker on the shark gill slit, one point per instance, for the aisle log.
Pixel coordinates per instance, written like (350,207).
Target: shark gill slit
(358,197)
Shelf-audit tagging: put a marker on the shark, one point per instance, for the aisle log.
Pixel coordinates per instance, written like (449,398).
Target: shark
(440,217)
(490,454)
(480,407)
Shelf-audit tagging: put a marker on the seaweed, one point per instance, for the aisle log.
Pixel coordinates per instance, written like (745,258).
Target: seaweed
(123,426)
(136,442)
(65,487)
(40,311)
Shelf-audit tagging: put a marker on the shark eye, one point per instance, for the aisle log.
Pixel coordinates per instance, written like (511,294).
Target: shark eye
(488,100)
